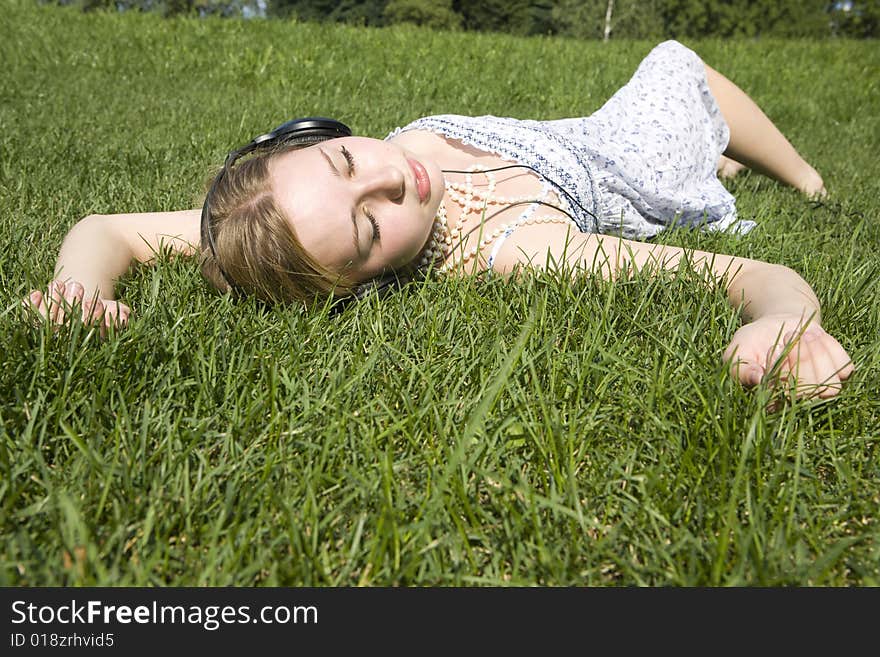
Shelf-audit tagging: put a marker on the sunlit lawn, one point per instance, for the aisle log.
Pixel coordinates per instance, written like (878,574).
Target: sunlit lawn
(461,432)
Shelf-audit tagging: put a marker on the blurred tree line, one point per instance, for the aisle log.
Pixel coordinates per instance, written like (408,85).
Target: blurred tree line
(594,19)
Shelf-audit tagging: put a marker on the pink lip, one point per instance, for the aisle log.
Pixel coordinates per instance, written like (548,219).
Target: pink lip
(423,182)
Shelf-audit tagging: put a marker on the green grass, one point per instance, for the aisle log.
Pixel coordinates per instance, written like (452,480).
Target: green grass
(461,433)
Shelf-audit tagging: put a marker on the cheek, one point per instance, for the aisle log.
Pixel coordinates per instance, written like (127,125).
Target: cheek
(418,236)
(404,245)
(409,228)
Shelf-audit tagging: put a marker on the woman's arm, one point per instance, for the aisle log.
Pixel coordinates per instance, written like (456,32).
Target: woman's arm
(101,248)
(782,339)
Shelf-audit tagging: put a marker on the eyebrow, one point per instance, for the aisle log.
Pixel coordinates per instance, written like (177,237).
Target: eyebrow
(332,166)
(335,172)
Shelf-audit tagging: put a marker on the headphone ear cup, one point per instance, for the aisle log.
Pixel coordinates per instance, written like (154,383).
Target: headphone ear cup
(381,286)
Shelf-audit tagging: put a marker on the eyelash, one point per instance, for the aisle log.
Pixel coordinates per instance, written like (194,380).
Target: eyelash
(375,225)
(349,158)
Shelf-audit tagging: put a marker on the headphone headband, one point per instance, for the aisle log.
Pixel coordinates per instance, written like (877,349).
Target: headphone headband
(311,129)
(317,126)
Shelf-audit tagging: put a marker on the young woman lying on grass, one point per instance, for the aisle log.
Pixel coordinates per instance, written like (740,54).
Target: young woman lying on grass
(319,216)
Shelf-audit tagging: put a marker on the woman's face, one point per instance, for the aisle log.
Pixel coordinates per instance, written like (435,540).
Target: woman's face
(358,206)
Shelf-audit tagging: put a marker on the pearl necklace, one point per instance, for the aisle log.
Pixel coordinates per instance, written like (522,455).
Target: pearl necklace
(440,241)
(473,201)
(505,229)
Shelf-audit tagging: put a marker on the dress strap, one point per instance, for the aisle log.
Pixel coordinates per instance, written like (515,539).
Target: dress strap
(499,242)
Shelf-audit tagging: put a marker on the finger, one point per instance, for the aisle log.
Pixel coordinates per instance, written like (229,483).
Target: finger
(744,368)
(116,314)
(748,373)
(826,368)
(731,354)
(102,325)
(782,364)
(42,304)
(831,364)
(814,373)
(34,299)
(73,293)
(774,359)
(44,309)
(93,312)
(845,371)
(123,315)
(842,362)
(814,369)
(31,305)
(56,295)
(93,315)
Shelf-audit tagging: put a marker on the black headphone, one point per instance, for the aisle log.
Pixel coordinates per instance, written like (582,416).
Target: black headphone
(300,132)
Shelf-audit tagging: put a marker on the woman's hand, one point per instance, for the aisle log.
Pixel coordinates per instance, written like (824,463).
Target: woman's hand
(64,300)
(778,349)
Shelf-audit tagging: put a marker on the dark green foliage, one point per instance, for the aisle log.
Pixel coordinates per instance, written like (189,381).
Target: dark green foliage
(861,20)
(631,19)
(745,18)
(355,12)
(512,16)
(436,14)
(628,19)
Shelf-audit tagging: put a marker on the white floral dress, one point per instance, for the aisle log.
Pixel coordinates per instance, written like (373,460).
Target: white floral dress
(644,161)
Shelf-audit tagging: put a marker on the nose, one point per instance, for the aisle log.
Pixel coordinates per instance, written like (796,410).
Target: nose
(385,181)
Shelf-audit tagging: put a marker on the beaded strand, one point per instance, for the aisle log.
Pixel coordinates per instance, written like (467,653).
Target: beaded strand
(473,201)
(501,230)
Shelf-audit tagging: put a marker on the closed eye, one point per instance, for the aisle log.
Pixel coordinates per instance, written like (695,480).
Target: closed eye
(349,158)
(375,224)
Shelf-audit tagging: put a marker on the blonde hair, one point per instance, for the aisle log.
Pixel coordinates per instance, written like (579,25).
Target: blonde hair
(256,245)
